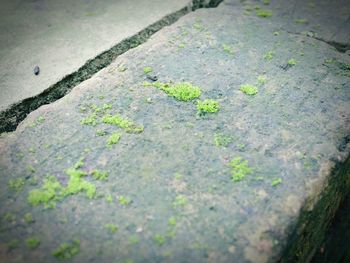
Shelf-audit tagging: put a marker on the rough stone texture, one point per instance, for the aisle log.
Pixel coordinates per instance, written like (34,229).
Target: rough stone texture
(295,128)
(60,36)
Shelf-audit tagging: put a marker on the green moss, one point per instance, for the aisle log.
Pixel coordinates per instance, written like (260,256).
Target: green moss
(178,176)
(28,218)
(114,138)
(180,200)
(276,182)
(101,133)
(228,49)
(262,79)
(182,45)
(172,221)
(122,68)
(76,184)
(9,217)
(31,169)
(207,106)
(52,191)
(182,91)
(269,55)
(133,240)
(16,184)
(109,198)
(266,2)
(240,169)
(301,21)
(112,228)
(67,250)
(249,89)
(292,62)
(263,13)
(124,200)
(123,123)
(45,195)
(90,120)
(222,140)
(32,242)
(147,70)
(159,239)
(40,120)
(80,163)
(12,244)
(99,175)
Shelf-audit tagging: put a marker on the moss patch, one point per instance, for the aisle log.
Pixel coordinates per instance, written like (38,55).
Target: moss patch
(240,169)
(99,175)
(182,91)
(114,138)
(32,242)
(207,106)
(124,123)
(249,89)
(112,228)
(147,70)
(16,184)
(67,250)
(263,13)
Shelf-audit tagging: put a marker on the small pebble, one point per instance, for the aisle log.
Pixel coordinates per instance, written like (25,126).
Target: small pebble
(152,77)
(36,70)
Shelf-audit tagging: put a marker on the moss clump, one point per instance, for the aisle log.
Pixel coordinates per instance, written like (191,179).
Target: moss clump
(124,123)
(249,89)
(133,240)
(47,194)
(114,138)
(31,169)
(28,218)
(32,242)
(76,184)
(222,140)
(109,198)
(14,243)
(266,2)
(101,133)
(228,49)
(147,70)
(276,182)
(159,239)
(79,163)
(263,13)
(301,21)
(269,55)
(240,169)
(292,62)
(99,175)
(52,191)
(16,184)
(172,221)
(124,200)
(112,228)
(90,120)
(207,106)
(182,91)
(180,200)
(66,251)
(262,79)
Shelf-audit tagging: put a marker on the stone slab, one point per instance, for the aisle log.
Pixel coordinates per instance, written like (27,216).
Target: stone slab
(170,189)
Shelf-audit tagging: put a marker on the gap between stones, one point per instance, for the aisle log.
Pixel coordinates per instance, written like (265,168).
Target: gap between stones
(11,117)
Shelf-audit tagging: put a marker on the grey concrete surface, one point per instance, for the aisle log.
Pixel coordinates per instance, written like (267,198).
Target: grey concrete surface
(60,36)
(170,194)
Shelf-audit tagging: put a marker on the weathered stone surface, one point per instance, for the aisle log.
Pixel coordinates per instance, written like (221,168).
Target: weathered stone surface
(292,133)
